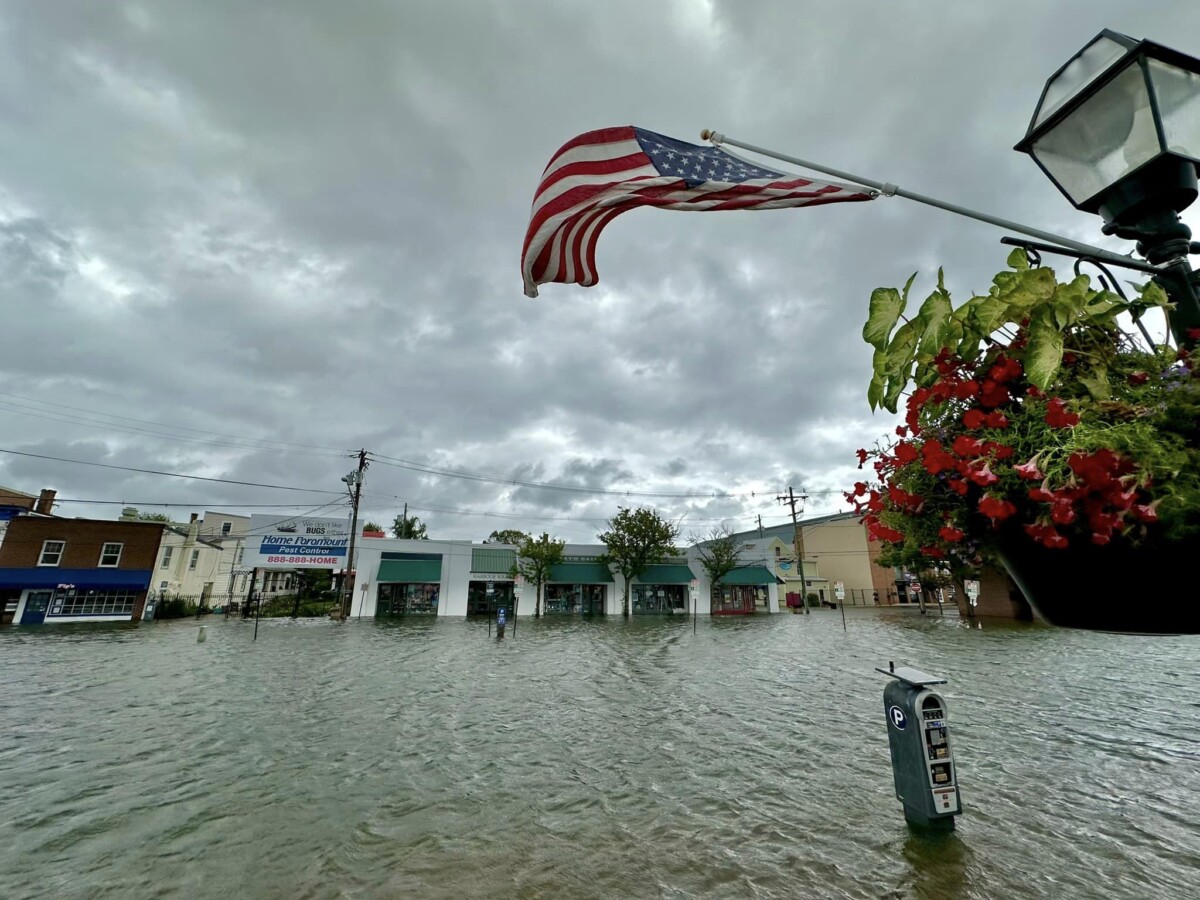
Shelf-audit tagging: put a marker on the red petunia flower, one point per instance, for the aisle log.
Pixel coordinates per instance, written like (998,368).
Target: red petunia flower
(950,534)
(973,418)
(996,419)
(1057,415)
(996,508)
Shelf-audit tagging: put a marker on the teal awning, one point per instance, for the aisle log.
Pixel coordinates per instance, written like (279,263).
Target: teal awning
(667,574)
(580,573)
(410,571)
(489,561)
(749,575)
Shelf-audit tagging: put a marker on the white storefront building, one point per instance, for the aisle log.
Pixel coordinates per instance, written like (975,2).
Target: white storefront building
(461,578)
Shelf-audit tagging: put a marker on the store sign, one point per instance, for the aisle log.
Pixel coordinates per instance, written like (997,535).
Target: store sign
(296,542)
(972,588)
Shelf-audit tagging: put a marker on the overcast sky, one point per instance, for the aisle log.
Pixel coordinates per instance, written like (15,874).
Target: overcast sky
(240,239)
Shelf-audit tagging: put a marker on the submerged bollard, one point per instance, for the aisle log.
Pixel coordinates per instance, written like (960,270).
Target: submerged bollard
(203,635)
(922,764)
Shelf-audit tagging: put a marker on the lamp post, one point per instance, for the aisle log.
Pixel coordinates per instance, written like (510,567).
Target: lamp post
(1117,129)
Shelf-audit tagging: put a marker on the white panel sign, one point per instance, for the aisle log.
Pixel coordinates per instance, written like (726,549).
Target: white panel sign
(296,542)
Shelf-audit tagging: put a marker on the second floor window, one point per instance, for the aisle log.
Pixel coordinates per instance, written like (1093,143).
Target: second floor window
(166,563)
(195,559)
(52,552)
(226,527)
(110,555)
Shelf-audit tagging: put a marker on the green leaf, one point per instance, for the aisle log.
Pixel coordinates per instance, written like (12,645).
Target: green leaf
(901,350)
(875,392)
(895,387)
(1096,383)
(934,315)
(1154,295)
(989,314)
(1043,356)
(886,306)
(1018,259)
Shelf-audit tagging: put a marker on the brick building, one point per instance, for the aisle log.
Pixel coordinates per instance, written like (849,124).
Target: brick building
(77,570)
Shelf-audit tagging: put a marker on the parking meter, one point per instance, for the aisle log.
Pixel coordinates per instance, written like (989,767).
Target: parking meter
(919,737)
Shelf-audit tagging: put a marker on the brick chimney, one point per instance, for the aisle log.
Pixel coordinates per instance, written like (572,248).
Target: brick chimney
(45,502)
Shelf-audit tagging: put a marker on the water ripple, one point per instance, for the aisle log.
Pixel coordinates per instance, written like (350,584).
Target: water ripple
(588,759)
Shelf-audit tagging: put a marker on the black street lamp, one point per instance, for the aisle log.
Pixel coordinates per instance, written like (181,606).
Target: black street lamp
(1117,129)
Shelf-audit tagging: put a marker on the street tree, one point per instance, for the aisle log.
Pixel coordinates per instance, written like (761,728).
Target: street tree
(718,555)
(635,540)
(507,536)
(154,517)
(409,528)
(535,560)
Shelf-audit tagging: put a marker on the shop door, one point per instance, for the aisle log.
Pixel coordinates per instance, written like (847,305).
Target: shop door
(36,603)
(485,597)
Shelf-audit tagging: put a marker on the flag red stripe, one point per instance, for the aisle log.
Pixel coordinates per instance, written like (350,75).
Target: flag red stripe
(560,242)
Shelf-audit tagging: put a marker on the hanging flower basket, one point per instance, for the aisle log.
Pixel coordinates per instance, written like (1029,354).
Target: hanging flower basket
(1040,435)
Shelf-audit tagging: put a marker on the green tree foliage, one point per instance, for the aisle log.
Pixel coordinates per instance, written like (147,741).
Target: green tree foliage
(507,536)
(718,555)
(636,539)
(372,526)
(534,562)
(154,517)
(409,528)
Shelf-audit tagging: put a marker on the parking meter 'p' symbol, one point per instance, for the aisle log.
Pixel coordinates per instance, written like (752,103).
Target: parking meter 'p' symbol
(896,714)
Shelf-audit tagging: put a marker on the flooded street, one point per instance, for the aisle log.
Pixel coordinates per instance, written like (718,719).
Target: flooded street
(588,759)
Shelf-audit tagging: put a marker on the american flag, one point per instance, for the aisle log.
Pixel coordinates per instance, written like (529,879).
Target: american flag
(601,174)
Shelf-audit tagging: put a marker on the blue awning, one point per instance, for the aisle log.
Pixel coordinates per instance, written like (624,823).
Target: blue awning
(82,579)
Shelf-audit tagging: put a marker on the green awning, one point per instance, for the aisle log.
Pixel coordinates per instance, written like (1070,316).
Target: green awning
(489,561)
(667,574)
(749,575)
(580,573)
(410,571)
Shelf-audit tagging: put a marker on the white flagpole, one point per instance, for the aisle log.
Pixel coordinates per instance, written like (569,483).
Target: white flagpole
(891,190)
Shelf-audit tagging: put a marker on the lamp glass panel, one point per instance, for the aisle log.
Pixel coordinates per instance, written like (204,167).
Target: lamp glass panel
(1108,136)
(1178,93)
(1078,73)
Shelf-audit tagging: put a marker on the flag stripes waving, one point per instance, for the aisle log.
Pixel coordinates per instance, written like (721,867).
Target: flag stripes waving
(601,174)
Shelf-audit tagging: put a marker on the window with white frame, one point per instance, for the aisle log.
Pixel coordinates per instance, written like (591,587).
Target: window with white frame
(167,552)
(52,552)
(226,527)
(93,603)
(195,559)
(110,556)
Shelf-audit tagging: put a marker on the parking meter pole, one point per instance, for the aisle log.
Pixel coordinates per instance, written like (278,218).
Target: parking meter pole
(918,736)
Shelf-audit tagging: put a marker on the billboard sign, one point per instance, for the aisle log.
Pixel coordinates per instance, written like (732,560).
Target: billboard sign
(296,542)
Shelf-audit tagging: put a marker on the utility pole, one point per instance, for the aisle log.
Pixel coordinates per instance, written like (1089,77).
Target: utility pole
(790,499)
(760,531)
(347,582)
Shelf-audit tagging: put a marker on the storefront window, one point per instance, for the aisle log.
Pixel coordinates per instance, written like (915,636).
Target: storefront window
(574,599)
(92,603)
(738,598)
(658,598)
(408,599)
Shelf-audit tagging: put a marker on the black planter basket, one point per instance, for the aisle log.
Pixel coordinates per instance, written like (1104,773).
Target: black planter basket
(1148,588)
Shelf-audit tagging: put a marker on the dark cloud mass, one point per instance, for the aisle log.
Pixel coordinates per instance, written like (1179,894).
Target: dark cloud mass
(241,240)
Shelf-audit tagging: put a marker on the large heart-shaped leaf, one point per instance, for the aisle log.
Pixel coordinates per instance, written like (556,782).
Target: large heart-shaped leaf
(1043,355)
(934,315)
(885,309)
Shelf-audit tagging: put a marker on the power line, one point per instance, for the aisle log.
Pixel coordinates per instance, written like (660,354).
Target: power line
(80,462)
(516,482)
(52,416)
(338,450)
